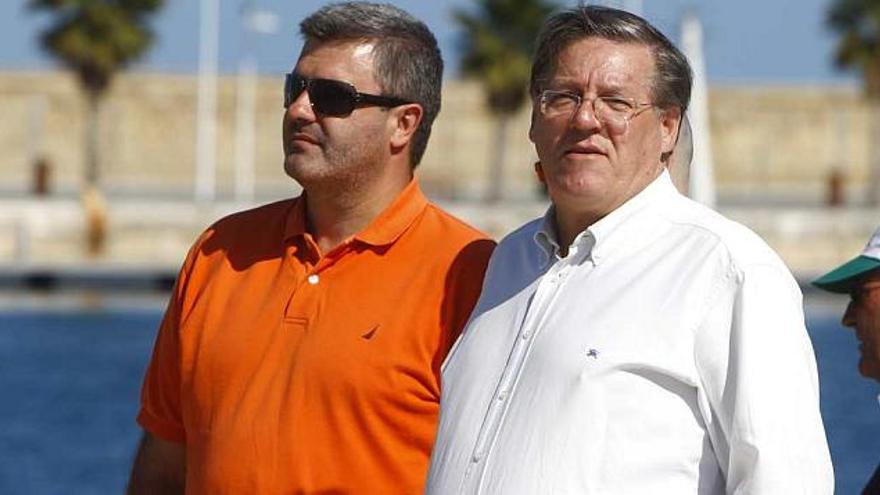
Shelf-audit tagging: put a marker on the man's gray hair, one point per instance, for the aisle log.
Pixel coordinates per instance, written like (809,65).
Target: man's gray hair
(407,59)
(671,86)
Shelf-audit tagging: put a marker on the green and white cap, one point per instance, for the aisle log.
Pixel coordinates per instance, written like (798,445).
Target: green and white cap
(843,278)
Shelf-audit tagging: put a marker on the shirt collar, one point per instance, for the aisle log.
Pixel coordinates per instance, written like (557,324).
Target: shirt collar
(607,232)
(614,229)
(394,220)
(296,218)
(545,237)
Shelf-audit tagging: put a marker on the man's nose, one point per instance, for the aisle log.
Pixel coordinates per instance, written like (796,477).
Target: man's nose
(301,108)
(584,116)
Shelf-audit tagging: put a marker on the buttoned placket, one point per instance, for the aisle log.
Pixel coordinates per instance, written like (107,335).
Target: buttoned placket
(548,288)
(314,271)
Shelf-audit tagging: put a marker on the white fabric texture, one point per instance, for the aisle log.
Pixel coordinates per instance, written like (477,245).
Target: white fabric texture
(666,353)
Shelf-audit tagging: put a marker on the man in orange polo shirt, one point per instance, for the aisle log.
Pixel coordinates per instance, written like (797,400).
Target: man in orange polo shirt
(301,349)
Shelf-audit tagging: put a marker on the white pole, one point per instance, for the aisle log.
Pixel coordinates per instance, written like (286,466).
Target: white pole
(702,180)
(254,21)
(206,136)
(245,110)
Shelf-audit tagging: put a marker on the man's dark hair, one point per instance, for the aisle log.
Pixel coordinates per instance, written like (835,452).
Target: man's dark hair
(671,86)
(407,59)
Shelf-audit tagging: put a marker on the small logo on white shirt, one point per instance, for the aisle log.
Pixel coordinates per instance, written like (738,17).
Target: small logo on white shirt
(593,353)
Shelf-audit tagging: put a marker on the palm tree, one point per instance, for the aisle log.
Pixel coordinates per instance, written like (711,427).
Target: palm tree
(95,39)
(857,22)
(497,42)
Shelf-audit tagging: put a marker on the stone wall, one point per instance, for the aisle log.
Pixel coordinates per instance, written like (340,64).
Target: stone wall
(769,142)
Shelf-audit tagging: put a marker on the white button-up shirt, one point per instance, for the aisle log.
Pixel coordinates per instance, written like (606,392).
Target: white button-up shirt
(665,354)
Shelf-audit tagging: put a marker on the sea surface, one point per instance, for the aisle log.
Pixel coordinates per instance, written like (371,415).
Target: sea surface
(70,373)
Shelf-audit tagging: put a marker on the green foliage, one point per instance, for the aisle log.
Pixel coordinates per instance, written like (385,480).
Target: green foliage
(497,42)
(97,38)
(857,22)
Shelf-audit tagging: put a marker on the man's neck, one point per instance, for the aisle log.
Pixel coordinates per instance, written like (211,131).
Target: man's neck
(568,227)
(334,215)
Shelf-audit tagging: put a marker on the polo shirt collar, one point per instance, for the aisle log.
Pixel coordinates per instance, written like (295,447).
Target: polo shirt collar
(383,230)
(296,219)
(396,218)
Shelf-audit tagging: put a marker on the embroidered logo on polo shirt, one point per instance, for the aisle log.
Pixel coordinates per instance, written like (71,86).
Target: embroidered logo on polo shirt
(369,333)
(593,353)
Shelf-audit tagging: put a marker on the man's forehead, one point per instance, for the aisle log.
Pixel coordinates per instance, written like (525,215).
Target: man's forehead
(356,48)
(607,61)
(347,60)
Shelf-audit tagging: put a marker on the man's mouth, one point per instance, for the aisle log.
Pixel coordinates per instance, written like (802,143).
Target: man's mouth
(301,137)
(585,149)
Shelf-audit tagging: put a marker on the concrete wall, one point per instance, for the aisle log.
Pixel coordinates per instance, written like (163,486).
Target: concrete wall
(768,141)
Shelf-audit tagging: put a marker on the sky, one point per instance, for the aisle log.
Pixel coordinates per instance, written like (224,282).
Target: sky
(746,41)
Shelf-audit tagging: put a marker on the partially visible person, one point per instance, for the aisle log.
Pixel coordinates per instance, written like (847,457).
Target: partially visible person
(631,341)
(860,278)
(300,352)
(679,164)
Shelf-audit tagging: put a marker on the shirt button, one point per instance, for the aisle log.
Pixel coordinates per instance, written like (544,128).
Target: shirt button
(502,395)
(313,279)
(476,457)
(526,335)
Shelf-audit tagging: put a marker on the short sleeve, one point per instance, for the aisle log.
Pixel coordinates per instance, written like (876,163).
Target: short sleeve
(160,410)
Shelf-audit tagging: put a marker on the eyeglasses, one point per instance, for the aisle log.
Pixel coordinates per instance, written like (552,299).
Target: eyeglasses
(333,98)
(613,112)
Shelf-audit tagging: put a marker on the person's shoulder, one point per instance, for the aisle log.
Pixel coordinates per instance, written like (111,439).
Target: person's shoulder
(257,230)
(258,218)
(516,246)
(525,232)
(740,243)
(452,228)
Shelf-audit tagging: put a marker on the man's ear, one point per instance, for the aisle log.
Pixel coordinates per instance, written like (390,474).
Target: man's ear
(539,173)
(404,122)
(670,123)
(532,126)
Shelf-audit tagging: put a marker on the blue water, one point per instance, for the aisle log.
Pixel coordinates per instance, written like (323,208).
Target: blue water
(70,382)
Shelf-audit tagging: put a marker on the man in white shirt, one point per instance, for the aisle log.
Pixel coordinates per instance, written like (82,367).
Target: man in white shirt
(860,278)
(631,341)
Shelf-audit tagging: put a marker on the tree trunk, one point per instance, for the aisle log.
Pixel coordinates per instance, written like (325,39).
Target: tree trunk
(92,138)
(94,206)
(499,155)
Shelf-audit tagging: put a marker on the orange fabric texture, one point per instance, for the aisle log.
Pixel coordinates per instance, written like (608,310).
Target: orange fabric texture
(287,371)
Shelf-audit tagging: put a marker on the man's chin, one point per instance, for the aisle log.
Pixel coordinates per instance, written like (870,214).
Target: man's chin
(296,165)
(869,368)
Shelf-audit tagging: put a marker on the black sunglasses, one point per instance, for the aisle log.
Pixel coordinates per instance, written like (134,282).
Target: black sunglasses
(333,98)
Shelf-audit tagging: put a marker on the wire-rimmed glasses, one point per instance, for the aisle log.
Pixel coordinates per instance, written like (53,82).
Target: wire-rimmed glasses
(613,112)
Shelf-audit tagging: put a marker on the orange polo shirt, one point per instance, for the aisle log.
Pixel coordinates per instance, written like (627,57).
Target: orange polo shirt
(285,370)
